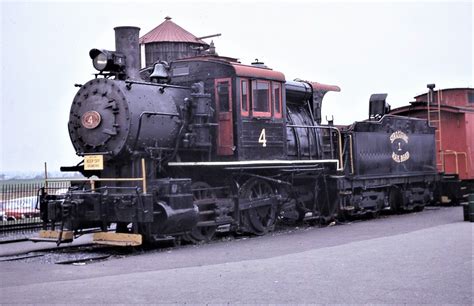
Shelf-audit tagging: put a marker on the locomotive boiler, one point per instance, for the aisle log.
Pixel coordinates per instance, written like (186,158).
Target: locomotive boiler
(181,150)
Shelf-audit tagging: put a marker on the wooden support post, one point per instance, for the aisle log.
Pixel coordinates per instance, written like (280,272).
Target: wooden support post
(46,176)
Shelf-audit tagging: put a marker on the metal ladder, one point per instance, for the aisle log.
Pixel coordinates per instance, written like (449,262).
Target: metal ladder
(434,120)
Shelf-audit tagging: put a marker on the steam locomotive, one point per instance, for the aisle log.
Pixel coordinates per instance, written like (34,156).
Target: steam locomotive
(181,150)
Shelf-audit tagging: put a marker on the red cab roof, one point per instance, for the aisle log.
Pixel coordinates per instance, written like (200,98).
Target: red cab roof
(257,72)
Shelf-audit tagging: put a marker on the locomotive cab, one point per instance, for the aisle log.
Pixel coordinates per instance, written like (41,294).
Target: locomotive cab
(248,104)
(258,115)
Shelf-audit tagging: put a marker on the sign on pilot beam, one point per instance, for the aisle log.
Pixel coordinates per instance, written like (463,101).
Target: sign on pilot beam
(94,162)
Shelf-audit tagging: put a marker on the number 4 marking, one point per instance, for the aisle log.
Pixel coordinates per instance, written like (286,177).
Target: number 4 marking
(262,139)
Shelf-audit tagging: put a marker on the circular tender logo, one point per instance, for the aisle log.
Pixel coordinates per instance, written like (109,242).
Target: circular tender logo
(399,141)
(90,120)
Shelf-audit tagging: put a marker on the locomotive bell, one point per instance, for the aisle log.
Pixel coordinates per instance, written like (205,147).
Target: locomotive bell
(160,72)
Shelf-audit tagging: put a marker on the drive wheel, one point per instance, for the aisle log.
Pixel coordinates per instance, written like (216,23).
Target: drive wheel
(204,197)
(258,220)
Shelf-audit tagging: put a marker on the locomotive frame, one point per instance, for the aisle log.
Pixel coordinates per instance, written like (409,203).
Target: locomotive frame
(223,146)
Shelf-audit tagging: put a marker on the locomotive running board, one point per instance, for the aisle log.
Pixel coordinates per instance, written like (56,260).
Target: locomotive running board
(117,239)
(256,162)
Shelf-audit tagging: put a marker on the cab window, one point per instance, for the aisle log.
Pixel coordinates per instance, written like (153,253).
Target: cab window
(223,96)
(244,97)
(261,98)
(276,98)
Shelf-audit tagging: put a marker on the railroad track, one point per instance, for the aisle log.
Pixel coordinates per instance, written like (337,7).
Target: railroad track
(91,253)
(86,253)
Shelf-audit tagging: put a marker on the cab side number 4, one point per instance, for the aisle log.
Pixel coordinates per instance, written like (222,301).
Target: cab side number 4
(262,139)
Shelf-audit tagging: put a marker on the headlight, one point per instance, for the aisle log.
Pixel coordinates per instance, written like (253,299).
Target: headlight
(104,60)
(100,61)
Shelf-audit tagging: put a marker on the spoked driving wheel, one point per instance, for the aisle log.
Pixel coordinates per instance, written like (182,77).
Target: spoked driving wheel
(204,197)
(260,219)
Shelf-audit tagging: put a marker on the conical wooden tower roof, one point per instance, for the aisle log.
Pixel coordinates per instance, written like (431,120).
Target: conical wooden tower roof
(168,31)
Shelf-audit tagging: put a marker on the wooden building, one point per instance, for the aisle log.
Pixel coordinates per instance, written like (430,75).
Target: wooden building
(168,42)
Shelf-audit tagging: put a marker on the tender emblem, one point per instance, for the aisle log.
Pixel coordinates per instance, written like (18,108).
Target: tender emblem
(399,142)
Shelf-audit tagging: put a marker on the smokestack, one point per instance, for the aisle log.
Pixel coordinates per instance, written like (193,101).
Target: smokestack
(126,42)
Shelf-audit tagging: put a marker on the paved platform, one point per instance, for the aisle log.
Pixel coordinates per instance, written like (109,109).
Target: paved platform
(419,258)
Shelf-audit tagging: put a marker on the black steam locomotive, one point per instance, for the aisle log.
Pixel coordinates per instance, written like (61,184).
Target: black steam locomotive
(206,144)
